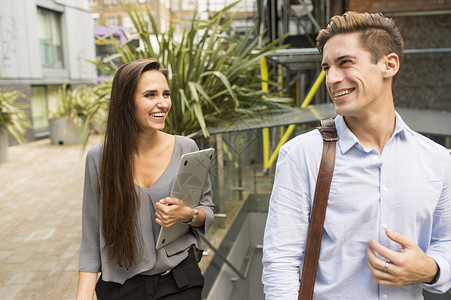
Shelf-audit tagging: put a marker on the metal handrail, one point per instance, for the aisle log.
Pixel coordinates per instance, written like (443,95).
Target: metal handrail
(249,258)
(216,251)
(269,160)
(228,263)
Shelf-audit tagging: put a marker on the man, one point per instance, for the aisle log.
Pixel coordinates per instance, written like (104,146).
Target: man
(387,231)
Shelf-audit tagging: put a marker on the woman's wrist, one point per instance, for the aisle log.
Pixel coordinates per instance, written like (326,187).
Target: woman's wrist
(192,216)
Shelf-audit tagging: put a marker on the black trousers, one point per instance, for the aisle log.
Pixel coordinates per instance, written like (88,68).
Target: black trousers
(183,282)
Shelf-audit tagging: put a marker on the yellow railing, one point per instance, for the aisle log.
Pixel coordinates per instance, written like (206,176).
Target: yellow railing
(268,161)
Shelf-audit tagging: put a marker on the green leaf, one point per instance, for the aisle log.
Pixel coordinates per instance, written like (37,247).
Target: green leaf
(215,73)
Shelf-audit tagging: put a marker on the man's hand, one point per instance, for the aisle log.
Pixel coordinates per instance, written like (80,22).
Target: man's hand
(410,265)
(172,210)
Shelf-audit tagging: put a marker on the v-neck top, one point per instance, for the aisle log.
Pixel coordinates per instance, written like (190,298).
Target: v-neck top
(93,258)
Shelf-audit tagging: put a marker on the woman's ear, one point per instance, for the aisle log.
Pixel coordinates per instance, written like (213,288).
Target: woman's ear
(391,65)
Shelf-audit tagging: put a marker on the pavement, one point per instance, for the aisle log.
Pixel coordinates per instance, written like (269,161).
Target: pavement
(40,219)
(41,189)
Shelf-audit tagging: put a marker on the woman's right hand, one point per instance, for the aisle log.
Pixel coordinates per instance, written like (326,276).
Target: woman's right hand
(172,210)
(86,285)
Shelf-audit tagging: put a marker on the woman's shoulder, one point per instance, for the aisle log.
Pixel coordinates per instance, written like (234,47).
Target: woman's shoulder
(95,151)
(185,143)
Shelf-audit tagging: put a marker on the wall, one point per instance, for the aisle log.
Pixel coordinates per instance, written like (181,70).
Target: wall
(398,5)
(423,81)
(18,40)
(20,59)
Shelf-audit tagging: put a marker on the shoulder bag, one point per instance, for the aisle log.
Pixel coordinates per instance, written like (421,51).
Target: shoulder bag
(326,169)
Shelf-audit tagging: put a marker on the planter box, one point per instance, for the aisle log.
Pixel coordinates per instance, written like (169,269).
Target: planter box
(3,145)
(64,132)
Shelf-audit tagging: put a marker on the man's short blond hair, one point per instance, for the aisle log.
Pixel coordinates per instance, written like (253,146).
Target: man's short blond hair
(378,35)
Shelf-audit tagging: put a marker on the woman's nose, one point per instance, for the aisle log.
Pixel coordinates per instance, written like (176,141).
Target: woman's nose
(162,101)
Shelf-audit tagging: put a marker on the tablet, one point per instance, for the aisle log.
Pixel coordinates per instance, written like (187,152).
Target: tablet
(188,186)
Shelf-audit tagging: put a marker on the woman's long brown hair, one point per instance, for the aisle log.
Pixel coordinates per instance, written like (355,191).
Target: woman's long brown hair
(119,199)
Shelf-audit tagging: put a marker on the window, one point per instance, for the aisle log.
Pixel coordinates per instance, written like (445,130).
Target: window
(50,42)
(112,21)
(175,5)
(43,99)
(92,2)
(103,50)
(111,1)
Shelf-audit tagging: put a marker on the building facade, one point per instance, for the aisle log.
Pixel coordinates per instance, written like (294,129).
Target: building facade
(44,44)
(423,80)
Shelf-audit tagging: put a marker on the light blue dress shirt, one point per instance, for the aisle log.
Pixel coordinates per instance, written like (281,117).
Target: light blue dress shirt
(406,188)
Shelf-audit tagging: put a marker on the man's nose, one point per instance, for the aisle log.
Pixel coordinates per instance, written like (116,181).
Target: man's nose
(333,76)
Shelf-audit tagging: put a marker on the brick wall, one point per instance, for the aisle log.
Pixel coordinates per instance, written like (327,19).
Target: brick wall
(424,78)
(398,5)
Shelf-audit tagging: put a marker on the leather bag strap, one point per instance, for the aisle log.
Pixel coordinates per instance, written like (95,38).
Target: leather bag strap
(326,170)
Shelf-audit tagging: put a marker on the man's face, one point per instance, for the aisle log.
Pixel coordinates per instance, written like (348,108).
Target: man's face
(354,82)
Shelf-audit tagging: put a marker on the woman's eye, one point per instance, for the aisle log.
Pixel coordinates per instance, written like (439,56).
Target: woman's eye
(149,95)
(167,94)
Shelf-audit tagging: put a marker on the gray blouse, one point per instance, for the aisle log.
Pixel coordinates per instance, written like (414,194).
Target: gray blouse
(93,258)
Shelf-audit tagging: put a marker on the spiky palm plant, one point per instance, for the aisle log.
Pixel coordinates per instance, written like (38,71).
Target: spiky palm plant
(215,76)
(74,104)
(12,116)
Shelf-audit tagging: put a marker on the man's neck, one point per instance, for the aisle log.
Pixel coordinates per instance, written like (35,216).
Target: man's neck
(373,130)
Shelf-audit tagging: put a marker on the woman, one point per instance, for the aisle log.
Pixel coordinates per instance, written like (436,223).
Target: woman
(128,179)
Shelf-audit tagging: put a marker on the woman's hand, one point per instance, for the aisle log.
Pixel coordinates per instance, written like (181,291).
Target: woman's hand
(171,210)
(86,285)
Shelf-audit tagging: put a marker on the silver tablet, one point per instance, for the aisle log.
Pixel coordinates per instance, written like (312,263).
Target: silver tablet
(188,186)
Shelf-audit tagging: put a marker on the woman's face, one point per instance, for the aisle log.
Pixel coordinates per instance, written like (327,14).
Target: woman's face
(152,100)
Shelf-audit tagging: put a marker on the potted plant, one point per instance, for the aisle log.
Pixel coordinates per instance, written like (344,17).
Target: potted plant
(67,119)
(13,119)
(96,115)
(215,75)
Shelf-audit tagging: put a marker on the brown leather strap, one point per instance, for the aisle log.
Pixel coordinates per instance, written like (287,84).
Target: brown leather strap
(326,170)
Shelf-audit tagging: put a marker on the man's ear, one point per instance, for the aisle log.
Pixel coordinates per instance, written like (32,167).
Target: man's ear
(391,65)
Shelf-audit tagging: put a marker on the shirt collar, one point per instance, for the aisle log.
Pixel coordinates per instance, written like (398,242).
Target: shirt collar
(348,139)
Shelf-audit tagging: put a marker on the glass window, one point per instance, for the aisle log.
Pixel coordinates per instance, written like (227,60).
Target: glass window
(50,42)
(39,108)
(103,49)
(43,99)
(175,5)
(112,21)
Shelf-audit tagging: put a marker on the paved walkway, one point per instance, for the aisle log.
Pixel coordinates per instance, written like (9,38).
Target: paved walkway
(40,220)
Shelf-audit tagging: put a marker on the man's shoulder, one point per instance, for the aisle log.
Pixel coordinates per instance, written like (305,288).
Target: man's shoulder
(309,140)
(429,146)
